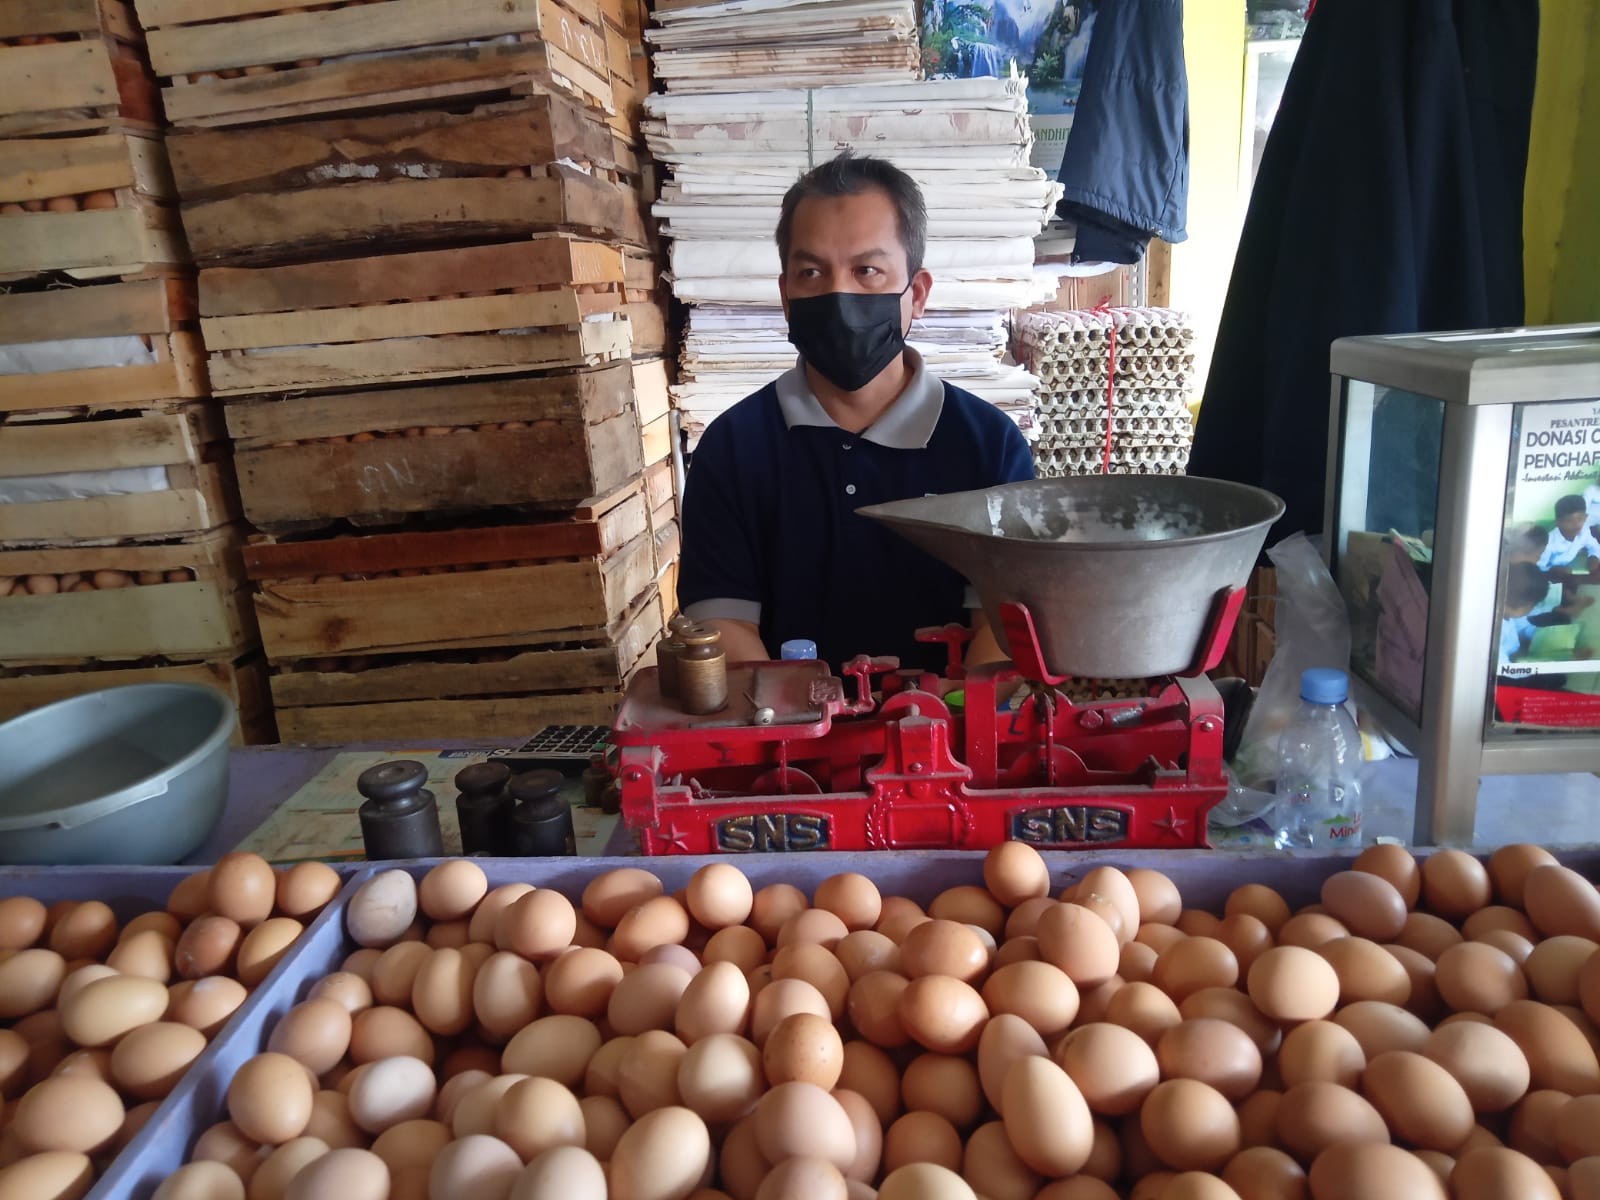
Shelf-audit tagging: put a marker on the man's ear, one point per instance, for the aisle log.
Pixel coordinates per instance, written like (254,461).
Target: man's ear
(921,285)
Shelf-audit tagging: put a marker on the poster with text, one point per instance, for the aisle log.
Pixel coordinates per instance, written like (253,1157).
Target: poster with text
(1046,40)
(1548,672)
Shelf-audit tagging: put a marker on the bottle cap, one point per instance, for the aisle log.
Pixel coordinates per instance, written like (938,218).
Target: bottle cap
(1324,685)
(797,648)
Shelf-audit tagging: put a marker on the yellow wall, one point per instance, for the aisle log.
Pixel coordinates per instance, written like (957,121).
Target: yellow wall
(1561,218)
(1214,50)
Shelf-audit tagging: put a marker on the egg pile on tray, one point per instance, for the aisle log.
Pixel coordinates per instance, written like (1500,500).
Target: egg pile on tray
(99,1022)
(1425,1031)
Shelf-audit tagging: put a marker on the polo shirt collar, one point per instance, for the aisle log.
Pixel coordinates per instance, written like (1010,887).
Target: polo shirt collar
(908,424)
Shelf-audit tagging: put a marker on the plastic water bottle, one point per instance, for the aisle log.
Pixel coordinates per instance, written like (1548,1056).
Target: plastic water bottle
(1319,757)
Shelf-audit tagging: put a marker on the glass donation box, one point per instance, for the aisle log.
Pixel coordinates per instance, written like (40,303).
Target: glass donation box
(1463,529)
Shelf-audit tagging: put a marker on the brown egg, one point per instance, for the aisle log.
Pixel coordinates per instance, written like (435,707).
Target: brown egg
(1313,1116)
(1533,1125)
(1195,963)
(773,907)
(1135,964)
(1024,919)
(1489,1066)
(88,930)
(1258,1118)
(442,993)
(1292,983)
(969,905)
(921,1137)
(1321,1051)
(1368,905)
(942,1014)
(350,991)
(243,888)
(264,947)
(1041,994)
(1372,1172)
(1160,937)
(1246,936)
(1076,941)
(1213,1052)
(803,1179)
(1046,1117)
(1559,1056)
(306,888)
(331,1123)
(1113,1067)
(720,1077)
(610,896)
(812,926)
(990,1162)
(147,953)
(1420,1100)
(1145,1009)
(1554,966)
(205,1004)
(481,926)
(271,1179)
(1428,935)
(29,981)
(67,1113)
(1490,1172)
(799,1119)
(224,1143)
(411,1144)
(863,951)
(851,897)
(1234,1007)
(106,1009)
(943,1084)
(580,982)
(1395,864)
(21,922)
(1311,929)
(1475,977)
(940,947)
(1560,901)
(738,944)
(1380,1027)
(506,994)
(1158,896)
(1258,901)
(558,1047)
(1509,867)
(1190,1125)
(817,966)
(1513,945)
(395,972)
(1005,1039)
(874,1008)
(54,1174)
(1266,1173)
(269,1098)
(385,1032)
(719,895)
(1454,884)
(804,1047)
(1366,971)
(1578,1128)
(341,1175)
(1014,872)
(150,1060)
(540,924)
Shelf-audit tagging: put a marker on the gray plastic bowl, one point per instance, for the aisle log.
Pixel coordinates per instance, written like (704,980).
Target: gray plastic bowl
(134,774)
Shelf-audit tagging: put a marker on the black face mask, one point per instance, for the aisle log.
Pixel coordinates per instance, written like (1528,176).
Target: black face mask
(848,336)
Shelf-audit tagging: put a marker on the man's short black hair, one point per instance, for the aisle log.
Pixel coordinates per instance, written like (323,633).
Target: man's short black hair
(850,174)
(1568,505)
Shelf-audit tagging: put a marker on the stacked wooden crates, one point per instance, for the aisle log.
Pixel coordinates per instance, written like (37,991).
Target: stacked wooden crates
(119,556)
(413,221)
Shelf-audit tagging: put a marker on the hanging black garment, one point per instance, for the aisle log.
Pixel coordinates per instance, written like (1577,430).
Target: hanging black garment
(1126,165)
(1389,200)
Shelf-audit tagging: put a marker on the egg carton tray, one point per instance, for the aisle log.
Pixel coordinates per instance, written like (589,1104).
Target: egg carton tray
(1205,877)
(130,891)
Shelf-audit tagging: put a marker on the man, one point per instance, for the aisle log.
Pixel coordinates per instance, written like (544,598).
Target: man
(773,549)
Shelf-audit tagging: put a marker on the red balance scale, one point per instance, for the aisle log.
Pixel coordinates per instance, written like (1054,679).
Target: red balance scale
(801,759)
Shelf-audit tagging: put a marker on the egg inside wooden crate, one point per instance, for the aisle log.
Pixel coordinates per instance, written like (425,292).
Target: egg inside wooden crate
(937,1026)
(112,984)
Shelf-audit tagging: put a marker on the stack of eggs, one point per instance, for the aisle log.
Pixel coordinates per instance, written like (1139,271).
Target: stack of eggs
(98,1023)
(1427,1030)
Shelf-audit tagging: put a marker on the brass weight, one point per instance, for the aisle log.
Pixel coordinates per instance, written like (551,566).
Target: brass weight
(702,672)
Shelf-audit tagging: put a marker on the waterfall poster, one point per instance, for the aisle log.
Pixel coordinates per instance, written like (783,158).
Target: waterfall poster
(1046,40)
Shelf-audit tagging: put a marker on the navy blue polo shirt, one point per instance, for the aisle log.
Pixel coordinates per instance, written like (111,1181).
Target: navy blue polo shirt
(770,532)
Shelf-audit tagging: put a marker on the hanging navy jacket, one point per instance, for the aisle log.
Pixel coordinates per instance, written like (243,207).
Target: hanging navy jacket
(1389,200)
(1126,165)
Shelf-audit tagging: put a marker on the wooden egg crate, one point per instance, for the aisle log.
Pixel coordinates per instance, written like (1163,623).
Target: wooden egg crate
(646,307)
(376,456)
(466,587)
(187,443)
(73,66)
(397,318)
(229,62)
(89,207)
(161,312)
(175,601)
(560,677)
(242,680)
(291,191)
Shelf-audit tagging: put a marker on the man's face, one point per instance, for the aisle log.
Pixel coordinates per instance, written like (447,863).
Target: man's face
(1572,524)
(851,244)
